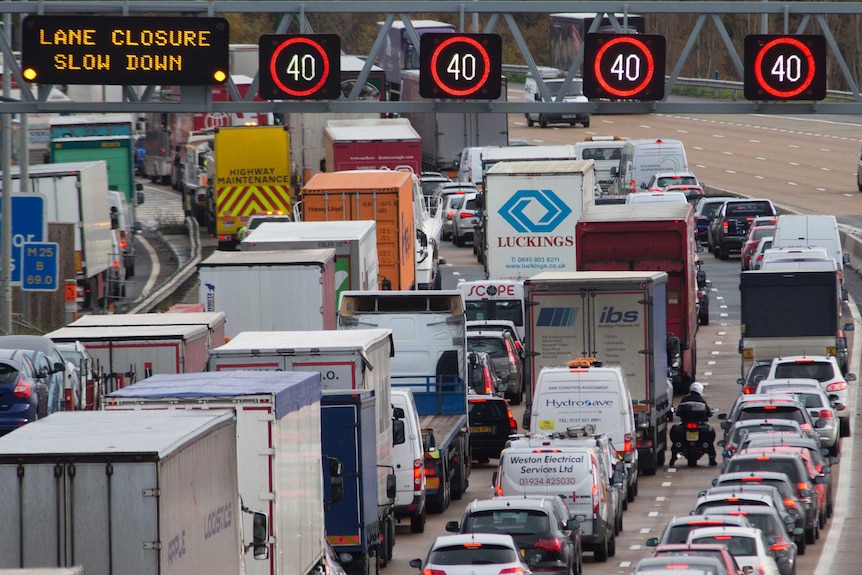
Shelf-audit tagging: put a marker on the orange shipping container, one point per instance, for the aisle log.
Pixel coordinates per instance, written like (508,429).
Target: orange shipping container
(384,196)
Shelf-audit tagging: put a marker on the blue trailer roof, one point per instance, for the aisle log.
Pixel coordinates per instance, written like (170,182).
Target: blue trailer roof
(292,389)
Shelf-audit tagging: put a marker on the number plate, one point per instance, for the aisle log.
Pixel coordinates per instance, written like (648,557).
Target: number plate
(692,435)
(569,116)
(480,429)
(522,553)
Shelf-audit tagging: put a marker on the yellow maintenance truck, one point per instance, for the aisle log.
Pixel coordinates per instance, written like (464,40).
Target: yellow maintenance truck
(250,175)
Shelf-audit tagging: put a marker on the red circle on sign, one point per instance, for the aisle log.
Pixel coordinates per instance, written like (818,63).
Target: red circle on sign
(806,53)
(650,68)
(324,60)
(486,59)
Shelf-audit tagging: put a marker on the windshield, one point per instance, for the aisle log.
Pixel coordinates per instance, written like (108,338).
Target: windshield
(509,310)
(676,181)
(511,521)
(491,345)
(575,88)
(820,370)
(744,546)
(473,554)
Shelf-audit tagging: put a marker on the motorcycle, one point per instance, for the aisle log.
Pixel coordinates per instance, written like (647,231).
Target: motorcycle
(693,436)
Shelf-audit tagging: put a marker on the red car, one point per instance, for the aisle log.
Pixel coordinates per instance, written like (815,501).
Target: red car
(715,550)
(755,234)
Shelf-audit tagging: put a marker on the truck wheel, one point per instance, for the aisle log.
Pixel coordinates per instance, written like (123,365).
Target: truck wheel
(531,123)
(459,477)
(543,123)
(612,546)
(130,271)
(586,124)
(417,523)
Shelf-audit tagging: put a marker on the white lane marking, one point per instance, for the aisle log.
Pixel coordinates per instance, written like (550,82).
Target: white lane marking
(718,135)
(794,163)
(826,169)
(661,498)
(727,153)
(456,273)
(716,353)
(758,177)
(625,564)
(710,362)
(791,183)
(700,166)
(850,195)
(707,373)
(824,189)
(157,268)
(723,323)
(671,470)
(645,530)
(754,141)
(730,171)
(830,549)
(666,483)
(724,306)
(697,147)
(682,131)
(652,514)
(635,547)
(723,315)
(722,333)
(793,145)
(760,158)
(719,297)
(645,126)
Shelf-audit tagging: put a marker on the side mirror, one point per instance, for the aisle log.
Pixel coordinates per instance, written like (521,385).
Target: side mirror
(525,423)
(416,563)
(820,479)
(139,187)
(715,482)
(115,220)
(846,259)
(140,198)
(652,542)
(259,536)
(722,416)
(573,524)
(702,493)
(834,460)
(399,435)
(740,381)
(789,519)
(58,367)
(721,443)
(493,479)
(502,386)
(727,454)
(398,412)
(850,326)
(453,527)
(747,570)
(429,442)
(725,425)
(615,171)
(850,377)
(480,201)
(391,486)
(504,375)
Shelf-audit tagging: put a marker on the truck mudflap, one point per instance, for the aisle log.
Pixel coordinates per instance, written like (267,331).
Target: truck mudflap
(651,438)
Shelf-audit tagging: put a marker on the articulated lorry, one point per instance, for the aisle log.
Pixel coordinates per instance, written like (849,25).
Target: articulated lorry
(382,195)
(278,451)
(270,290)
(650,237)
(794,312)
(347,362)
(136,493)
(354,242)
(248,173)
(430,333)
(78,193)
(372,144)
(214,322)
(618,318)
(529,216)
(402,53)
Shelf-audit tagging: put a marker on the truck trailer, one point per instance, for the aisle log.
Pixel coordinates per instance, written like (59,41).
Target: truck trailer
(402,52)
(278,452)
(270,290)
(372,144)
(665,241)
(134,493)
(619,319)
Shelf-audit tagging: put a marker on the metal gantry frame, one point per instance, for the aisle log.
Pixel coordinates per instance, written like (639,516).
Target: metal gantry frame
(498,14)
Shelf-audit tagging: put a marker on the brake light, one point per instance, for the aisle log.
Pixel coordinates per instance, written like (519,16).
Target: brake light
(465,215)
(450,214)
(739,513)
(763,458)
(837,386)
(761,570)
(691,426)
(513,425)
(595,493)
(770,407)
(627,443)
(487,376)
(706,523)
(723,537)
(472,545)
(433,572)
(752,479)
(747,390)
(550,544)
(733,499)
(825,414)
(123,245)
(780,544)
(789,503)
(417,475)
(513,571)
(803,486)
(499,491)
(676,566)
(23,389)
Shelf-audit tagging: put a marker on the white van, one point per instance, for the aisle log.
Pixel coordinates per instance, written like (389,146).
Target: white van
(640,159)
(810,231)
(495,300)
(656,198)
(542,467)
(125,235)
(470,165)
(574,94)
(787,259)
(409,461)
(586,394)
(605,152)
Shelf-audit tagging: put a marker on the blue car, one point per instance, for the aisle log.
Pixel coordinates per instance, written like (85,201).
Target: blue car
(49,365)
(23,396)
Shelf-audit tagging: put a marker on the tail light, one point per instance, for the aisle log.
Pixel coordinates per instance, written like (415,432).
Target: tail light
(488,389)
(430,471)
(67,398)
(790,503)
(450,214)
(498,491)
(417,475)
(549,544)
(595,494)
(724,228)
(761,570)
(23,389)
(691,426)
(826,414)
(803,486)
(627,443)
(465,215)
(123,245)
(748,390)
(427,571)
(513,425)
(837,386)
(780,544)
(513,571)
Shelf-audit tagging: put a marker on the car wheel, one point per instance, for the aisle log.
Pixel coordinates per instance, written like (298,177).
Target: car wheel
(620,522)
(821,522)
(459,241)
(543,123)
(586,124)
(844,426)
(531,123)
(800,545)
(630,493)
(600,554)
(810,536)
(704,318)
(612,546)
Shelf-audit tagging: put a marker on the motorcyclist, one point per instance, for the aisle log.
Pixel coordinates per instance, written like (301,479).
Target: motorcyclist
(695,393)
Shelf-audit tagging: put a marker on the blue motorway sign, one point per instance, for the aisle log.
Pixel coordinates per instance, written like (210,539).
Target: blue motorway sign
(40,266)
(28,225)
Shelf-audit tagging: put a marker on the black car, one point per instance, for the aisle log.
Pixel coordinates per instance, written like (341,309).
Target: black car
(532,522)
(729,227)
(491,424)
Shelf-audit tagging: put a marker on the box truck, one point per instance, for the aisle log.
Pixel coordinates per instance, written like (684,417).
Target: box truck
(619,319)
(380,195)
(529,216)
(372,144)
(278,453)
(354,242)
(134,493)
(270,290)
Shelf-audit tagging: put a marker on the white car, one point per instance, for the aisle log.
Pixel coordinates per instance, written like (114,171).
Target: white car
(473,554)
(822,411)
(747,545)
(825,369)
(757,257)
(656,197)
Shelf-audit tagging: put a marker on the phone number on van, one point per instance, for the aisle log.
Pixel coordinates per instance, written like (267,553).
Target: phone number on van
(547,481)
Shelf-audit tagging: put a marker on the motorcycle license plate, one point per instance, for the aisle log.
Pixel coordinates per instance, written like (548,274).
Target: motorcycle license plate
(692,436)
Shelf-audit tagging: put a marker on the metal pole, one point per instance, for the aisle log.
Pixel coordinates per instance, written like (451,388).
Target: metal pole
(764,21)
(6,221)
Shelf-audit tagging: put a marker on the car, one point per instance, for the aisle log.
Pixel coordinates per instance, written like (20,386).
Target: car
(474,554)
(661,180)
(491,423)
(826,370)
(23,392)
(757,258)
(716,551)
(465,221)
(792,465)
(47,360)
(740,494)
(451,205)
(704,210)
(773,406)
(694,565)
(722,497)
(755,234)
(692,193)
(536,524)
(773,385)
(89,393)
(255,220)
(678,528)
(759,370)
(742,430)
(483,374)
(430,181)
(445,189)
(656,197)
(822,411)
(501,346)
(859,174)
(731,223)
(505,325)
(748,545)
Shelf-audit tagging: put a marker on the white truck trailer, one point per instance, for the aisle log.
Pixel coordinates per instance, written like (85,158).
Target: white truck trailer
(133,493)
(78,193)
(270,290)
(213,321)
(529,216)
(354,242)
(278,454)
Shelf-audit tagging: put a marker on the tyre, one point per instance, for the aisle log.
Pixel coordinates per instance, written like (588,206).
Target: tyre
(600,554)
(612,546)
(630,494)
(844,426)
(543,123)
(810,536)
(531,123)
(518,397)
(459,241)
(586,124)
(821,521)
(723,252)
(457,490)
(636,486)
(620,526)
(704,319)
(800,545)
(417,523)
(692,461)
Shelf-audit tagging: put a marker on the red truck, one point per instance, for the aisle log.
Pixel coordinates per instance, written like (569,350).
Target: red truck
(372,144)
(650,237)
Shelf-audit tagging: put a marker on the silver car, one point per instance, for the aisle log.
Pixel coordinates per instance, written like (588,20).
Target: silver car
(465,220)
(504,353)
(450,209)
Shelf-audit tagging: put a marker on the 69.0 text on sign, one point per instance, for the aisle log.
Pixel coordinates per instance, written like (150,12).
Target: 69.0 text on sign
(117,51)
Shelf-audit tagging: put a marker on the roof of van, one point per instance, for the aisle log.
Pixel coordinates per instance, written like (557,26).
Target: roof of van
(640,212)
(539,167)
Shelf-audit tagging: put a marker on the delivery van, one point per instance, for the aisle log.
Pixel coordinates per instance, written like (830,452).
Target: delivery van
(409,461)
(495,300)
(810,231)
(640,159)
(539,466)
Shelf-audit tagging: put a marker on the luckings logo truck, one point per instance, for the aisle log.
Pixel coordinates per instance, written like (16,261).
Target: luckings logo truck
(545,204)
